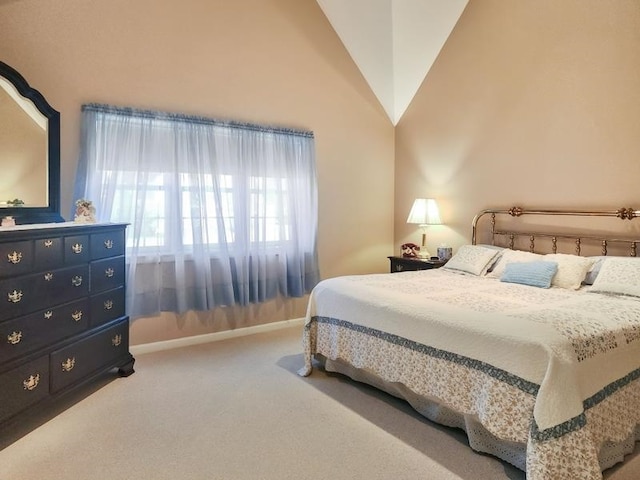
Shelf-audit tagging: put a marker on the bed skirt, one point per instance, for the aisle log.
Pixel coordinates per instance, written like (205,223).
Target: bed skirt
(480,439)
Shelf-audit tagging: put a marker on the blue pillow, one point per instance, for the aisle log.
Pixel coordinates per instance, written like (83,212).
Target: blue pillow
(536,274)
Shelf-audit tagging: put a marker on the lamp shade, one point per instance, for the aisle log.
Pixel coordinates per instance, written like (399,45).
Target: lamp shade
(424,212)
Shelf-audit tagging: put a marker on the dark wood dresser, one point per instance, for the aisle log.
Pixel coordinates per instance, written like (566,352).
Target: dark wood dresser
(62,311)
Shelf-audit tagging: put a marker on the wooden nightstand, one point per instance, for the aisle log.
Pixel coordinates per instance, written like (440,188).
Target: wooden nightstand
(407,264)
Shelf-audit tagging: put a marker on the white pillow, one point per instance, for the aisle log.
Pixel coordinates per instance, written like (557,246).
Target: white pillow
(509,256)
(472,259)
(593,271)
(572,269)
(618,275)
(496,258)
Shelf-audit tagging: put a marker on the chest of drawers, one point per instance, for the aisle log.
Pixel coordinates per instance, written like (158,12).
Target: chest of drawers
(62,312)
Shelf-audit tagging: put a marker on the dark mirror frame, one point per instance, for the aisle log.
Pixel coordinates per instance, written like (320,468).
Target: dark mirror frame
(50,213)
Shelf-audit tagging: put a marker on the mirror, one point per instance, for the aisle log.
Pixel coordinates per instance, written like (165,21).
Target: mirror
(29,152)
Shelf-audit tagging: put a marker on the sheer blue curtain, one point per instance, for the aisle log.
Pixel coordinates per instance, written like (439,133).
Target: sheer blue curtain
(220,213)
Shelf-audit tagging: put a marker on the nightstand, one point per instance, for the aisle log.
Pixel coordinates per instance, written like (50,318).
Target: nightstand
(407,264)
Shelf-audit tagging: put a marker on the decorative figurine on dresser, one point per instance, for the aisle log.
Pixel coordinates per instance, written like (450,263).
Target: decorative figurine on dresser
(62,284)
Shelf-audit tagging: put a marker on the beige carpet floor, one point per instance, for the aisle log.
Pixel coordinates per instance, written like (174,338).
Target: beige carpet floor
(236,409)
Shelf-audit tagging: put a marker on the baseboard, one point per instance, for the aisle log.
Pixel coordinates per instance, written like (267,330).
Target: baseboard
(212,337)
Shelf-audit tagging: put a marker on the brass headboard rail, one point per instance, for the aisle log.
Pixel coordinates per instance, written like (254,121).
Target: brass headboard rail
(605,240)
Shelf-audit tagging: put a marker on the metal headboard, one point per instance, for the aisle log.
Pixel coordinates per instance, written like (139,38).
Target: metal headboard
(604,240)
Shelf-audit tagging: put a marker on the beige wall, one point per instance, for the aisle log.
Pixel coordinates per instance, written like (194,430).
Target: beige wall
(534,103)
(267,61)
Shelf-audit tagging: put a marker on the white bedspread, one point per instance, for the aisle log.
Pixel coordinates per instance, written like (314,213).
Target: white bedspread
(551,354)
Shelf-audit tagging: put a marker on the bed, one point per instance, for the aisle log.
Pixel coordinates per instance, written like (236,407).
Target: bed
(534,351)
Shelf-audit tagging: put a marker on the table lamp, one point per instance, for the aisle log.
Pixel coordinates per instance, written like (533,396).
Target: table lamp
(424,212)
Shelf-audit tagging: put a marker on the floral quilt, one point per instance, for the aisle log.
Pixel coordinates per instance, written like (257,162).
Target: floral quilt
(557,370)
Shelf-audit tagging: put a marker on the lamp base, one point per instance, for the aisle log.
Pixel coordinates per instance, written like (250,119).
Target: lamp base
(423,254)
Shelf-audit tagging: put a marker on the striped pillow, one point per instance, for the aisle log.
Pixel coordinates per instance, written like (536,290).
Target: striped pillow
(536,274)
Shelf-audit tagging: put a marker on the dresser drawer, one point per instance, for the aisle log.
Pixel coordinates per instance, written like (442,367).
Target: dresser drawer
(16,258)
(63,285)
(23,386)
(107,306)
(26,334)
(75,362)
(49,252)
(107,274)
(108,244)
(22,295)
(76,249)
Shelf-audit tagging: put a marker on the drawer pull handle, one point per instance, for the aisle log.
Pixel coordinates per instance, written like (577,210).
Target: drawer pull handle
(77,315)
(31,382)
(108,244)
(108,305)
(48,314)
(14,338)
(77,248)
(15,296)
(109,272)
(48,243)
(68,364)
(48,276)
(14,257)
(117,340)
(76,281)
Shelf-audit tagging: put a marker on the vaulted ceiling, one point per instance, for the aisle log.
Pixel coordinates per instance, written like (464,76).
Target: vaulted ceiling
(393,42)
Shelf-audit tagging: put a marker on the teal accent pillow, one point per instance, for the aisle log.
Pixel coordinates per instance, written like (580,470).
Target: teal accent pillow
(536,274)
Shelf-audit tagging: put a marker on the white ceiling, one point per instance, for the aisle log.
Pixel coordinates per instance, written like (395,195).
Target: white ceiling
(393,42)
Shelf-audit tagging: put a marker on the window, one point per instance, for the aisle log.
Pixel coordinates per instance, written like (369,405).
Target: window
(220,213)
